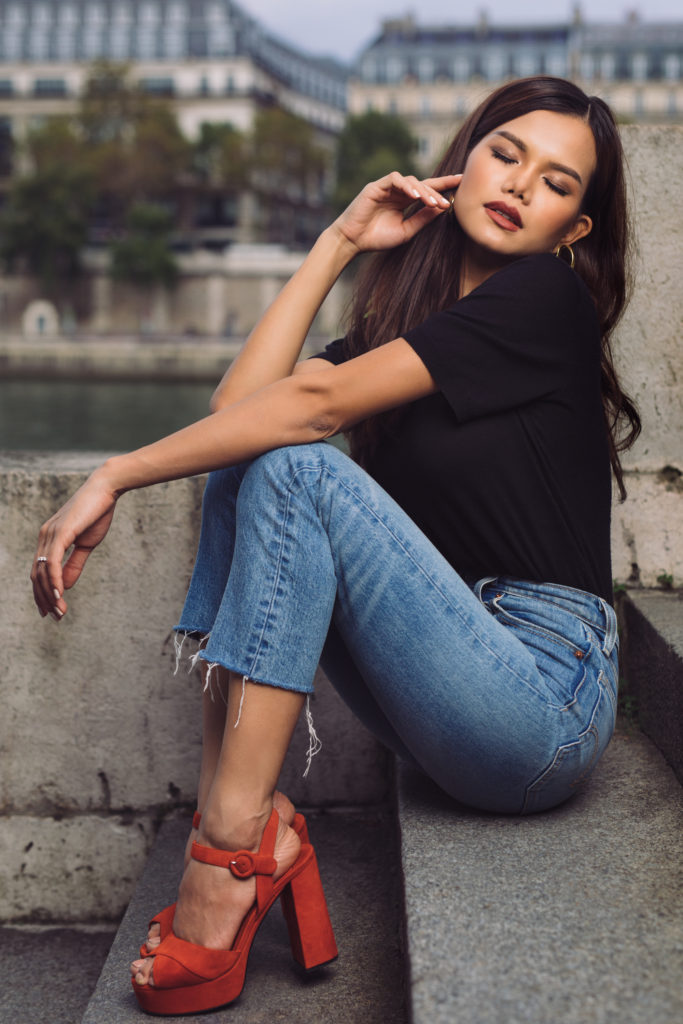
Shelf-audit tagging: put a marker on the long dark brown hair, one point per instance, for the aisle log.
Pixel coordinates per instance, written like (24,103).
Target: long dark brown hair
(399,288)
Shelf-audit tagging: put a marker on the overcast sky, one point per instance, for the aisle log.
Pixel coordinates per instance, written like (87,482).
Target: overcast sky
(343,27)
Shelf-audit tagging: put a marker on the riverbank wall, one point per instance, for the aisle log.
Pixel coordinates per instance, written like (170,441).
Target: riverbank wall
(100,741)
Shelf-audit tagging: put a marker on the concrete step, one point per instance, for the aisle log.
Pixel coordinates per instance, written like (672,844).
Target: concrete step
(571,916)
(359,867)
(48,973)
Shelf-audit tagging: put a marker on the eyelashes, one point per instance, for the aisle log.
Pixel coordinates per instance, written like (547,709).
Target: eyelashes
(511,160)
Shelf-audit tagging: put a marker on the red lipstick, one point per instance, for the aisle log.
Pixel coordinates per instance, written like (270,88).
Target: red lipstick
(505,216)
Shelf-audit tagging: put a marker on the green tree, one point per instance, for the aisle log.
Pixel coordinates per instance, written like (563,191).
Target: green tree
(44,224)
(288,174)
(138,151)
(371,145)
(143,257)
(221,157)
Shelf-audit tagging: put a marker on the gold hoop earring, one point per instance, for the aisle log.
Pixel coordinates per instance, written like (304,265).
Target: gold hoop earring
(565,245)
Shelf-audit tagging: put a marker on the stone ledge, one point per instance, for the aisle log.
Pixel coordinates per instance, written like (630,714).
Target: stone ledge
(565,916)
(651,661)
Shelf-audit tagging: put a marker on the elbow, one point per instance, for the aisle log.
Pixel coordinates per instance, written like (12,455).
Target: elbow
(315,399)
(215,402)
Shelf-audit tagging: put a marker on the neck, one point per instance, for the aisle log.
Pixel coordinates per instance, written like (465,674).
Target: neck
(478,264)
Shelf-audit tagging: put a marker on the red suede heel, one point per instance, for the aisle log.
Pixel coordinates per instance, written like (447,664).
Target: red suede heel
(189,978)
(308,922)
(165,917)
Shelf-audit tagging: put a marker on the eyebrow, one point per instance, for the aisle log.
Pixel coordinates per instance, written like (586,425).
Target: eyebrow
(522,145)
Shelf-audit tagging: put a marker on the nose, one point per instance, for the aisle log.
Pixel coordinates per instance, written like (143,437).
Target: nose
(518,185)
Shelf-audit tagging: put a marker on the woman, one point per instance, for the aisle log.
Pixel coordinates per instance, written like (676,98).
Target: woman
(468,623)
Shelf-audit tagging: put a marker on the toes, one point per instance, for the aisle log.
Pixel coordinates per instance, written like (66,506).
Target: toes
(142,971)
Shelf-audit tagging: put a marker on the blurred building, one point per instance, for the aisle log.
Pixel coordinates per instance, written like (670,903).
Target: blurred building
(434,75)
(209,58)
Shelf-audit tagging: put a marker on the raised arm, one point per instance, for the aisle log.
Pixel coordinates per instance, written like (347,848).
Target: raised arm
(375,220)
(259,405)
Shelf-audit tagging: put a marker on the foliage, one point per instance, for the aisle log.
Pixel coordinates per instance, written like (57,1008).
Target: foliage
(371,145)
(221,157)
(109,172)
(44,224)
(142,257)
(666,581)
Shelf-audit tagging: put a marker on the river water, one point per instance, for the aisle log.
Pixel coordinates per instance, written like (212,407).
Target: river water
(95,415)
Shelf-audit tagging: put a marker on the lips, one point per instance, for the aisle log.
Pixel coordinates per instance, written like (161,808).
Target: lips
(505,216)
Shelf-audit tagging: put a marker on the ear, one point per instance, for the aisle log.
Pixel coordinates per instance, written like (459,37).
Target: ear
(581,227)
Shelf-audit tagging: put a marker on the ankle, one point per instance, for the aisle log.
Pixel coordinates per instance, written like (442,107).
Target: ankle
(234,828)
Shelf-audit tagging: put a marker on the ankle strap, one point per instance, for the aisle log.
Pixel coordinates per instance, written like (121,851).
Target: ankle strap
(244,864)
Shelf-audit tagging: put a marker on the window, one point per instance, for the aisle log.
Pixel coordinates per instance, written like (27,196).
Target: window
(556,64)
(395,69)
(608,65)
(158,86)
(495,64)
(425,106)
(672,67)
(639,66)
(586,65)
(425,69)
(461,68)
(49,87)
(527,64)
(15,15)
(6,90)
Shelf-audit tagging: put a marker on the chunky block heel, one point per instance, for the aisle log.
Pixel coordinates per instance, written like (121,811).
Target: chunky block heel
(308,920)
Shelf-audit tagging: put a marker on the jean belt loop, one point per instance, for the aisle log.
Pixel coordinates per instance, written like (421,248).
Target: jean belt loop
(480,584)
(610,627)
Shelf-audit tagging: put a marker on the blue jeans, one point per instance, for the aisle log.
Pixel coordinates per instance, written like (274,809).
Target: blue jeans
(503,691)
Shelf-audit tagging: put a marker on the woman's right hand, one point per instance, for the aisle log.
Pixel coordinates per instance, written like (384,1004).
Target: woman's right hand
(81,524)
(376,217)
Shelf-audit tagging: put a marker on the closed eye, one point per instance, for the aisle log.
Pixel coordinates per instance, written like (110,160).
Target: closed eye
(502,156)
(556,188)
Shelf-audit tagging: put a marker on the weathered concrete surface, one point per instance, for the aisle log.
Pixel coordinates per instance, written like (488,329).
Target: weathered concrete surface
(49,974)
(571,916)
(648,528)
(651,664)
(98,738)
(363,896)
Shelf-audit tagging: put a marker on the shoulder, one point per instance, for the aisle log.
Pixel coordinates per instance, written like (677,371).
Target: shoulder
(542,278)
(540,292)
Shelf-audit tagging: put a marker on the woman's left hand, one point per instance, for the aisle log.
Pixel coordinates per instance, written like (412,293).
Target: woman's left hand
(82,522)
(376,217)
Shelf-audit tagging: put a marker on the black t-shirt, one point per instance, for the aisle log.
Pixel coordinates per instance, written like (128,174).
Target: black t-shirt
(506,468)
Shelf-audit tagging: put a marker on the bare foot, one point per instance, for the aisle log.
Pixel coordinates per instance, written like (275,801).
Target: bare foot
(285,808)
(206,898)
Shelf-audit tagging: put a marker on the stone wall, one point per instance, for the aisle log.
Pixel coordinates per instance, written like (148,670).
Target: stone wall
(98,738)
(648,528)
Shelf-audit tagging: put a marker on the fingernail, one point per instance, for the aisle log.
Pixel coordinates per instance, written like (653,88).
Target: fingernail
(56,614)
(432,200)
(57,594)
(416,193)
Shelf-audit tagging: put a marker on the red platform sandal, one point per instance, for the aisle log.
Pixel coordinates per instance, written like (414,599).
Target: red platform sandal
(165,917)
(189,978)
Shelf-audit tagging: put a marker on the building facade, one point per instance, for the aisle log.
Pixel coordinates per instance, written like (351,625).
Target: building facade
(433,76)
(209,58)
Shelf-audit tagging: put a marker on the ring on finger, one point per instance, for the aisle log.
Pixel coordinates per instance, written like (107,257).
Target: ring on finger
(41,558)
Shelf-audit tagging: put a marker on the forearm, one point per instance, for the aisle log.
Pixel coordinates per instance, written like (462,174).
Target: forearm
(281,414)
(274,345)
